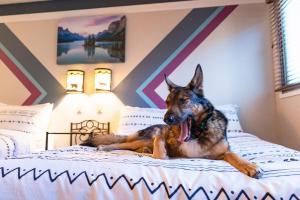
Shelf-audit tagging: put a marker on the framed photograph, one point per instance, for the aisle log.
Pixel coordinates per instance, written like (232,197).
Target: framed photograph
(95,39)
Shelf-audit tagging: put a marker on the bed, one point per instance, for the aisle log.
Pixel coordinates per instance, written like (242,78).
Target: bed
(79,172)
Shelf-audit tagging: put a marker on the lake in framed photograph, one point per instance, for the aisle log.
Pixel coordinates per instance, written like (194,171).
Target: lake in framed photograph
(95,39)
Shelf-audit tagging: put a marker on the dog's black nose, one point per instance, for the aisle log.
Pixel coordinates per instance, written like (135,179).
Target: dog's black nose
(170,118)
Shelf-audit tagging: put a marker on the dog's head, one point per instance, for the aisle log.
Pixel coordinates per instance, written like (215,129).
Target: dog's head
(186,104)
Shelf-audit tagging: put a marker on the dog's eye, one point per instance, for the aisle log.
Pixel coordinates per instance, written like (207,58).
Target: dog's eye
(181,100)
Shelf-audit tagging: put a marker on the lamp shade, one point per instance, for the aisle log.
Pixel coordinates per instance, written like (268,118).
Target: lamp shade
(75,80)
(102,79)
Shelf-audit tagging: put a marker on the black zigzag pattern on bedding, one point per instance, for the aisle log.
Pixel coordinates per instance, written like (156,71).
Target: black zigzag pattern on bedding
(72,177)
(182,166)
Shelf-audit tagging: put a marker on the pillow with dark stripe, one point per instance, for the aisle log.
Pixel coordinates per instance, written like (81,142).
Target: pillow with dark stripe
(133,119)
(27,119)
(231,113)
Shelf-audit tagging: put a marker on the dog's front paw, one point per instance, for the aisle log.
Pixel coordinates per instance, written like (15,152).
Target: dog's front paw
(251,170)
(243,165)
(104,148)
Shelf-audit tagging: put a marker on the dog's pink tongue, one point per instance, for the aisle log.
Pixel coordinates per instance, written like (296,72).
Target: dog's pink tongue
(184,129)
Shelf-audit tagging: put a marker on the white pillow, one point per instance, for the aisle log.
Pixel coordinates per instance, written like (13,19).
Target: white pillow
(21,142)
(133,119)
(37,142)
(28,119)
(231,113)
(25,143)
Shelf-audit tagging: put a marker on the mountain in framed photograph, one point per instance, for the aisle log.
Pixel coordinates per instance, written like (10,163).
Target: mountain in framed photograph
(94,39)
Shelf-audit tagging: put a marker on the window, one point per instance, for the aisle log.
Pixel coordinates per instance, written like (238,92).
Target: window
(285,15)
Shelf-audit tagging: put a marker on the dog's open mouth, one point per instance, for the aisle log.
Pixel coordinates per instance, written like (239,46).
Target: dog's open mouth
(185,130)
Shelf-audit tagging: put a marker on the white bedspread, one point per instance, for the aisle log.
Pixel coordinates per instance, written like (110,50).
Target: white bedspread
(84,173)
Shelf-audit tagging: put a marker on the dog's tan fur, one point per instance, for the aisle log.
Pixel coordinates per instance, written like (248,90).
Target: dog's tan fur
(162,141)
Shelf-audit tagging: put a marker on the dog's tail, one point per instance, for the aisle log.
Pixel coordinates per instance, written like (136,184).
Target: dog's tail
(108,139)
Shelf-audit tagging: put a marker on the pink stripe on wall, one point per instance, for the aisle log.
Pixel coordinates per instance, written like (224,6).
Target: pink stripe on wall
(150,89)
(35,93)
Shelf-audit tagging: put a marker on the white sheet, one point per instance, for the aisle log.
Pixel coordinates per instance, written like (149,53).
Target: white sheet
(84,173)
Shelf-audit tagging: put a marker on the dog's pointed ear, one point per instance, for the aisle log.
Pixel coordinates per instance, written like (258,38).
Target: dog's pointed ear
(196,83)
(170,84)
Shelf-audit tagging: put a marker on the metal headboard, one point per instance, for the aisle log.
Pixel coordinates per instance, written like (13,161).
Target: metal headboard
(83,131)
(87,129)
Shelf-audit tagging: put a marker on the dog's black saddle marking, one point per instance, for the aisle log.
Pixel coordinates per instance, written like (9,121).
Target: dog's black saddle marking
(201,127)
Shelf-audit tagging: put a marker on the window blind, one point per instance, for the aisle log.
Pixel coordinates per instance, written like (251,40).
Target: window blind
(285,21)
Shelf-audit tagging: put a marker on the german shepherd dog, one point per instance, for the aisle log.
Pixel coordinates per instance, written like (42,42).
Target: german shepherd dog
(195,129)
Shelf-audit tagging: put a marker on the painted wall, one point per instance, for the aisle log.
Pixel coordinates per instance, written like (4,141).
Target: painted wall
(40,39)
(288,109)
(235,55)
(237,65)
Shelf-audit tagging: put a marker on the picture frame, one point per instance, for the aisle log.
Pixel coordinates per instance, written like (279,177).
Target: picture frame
(92,39)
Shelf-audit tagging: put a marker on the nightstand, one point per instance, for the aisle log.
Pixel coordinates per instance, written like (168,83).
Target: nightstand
(82,131)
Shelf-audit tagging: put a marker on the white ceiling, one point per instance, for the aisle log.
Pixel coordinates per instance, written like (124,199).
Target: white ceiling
(122,9)
(17,1)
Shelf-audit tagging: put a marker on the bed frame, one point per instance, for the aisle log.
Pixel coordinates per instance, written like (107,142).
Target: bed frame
(82,131)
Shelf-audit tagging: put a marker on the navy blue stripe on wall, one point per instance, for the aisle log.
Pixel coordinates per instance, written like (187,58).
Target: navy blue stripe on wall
(51,90)
(64,5)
